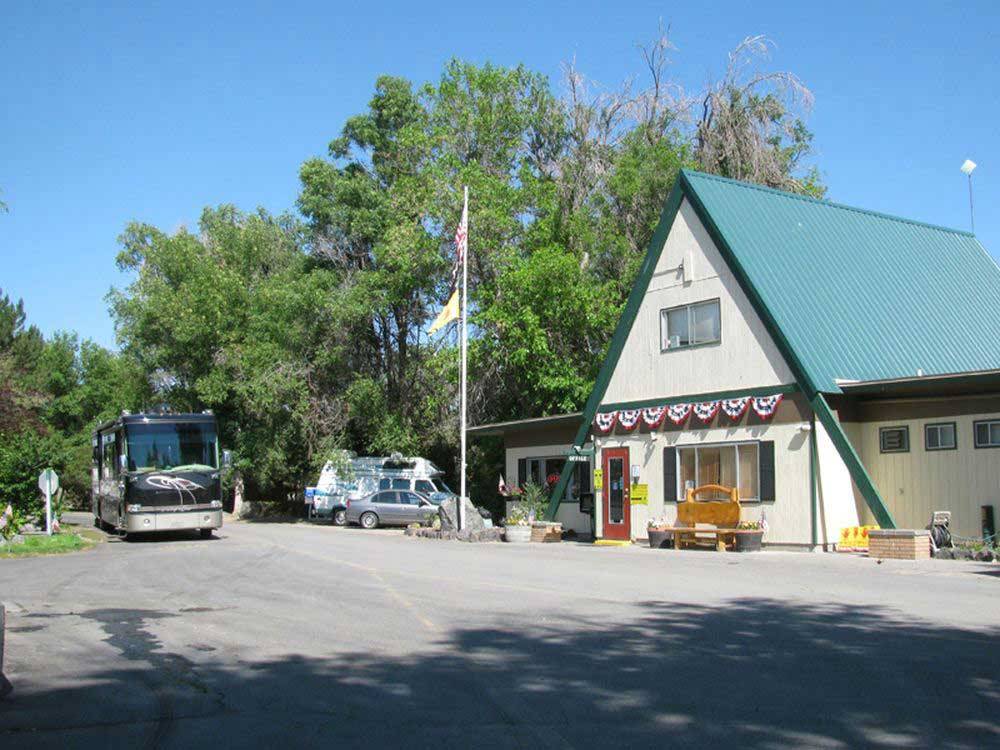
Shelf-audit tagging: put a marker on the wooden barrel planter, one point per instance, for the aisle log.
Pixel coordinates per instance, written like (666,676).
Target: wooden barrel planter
(748,541)
(660,539)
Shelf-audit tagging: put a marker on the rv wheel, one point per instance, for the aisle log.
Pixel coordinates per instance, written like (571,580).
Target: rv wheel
(206,533)
(340,517)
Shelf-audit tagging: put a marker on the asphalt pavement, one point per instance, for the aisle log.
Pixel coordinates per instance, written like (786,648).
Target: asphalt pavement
(297,635)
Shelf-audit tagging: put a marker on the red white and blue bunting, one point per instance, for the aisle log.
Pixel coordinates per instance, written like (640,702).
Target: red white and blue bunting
(706,410)
(605,422)
(654,416)
(628,419)
(765,406)
(678,412)
(734,408)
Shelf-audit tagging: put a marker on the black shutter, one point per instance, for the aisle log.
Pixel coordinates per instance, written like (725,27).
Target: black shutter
(767,471)
(669,475)
(522,471)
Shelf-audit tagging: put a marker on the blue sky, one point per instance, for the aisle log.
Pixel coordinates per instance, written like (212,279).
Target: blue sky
(114,112)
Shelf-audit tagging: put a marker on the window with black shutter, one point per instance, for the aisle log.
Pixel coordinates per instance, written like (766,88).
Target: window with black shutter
(767,494)
(669,475)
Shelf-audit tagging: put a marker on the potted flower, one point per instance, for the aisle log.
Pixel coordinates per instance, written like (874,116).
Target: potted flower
(517,527)
(750,536)
(659,538)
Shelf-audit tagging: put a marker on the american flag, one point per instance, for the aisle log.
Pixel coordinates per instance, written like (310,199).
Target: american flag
(461,246)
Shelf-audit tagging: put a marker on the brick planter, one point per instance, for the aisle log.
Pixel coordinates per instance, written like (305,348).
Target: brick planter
(899,544)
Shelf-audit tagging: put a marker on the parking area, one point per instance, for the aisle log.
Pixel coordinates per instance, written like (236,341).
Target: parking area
(307,635)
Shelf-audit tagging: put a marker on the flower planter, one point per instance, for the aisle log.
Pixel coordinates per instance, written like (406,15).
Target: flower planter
(517,534)
(542,531)
(749,541)
(660,539)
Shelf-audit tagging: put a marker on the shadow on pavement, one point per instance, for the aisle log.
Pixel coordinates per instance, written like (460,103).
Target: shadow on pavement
(757,673)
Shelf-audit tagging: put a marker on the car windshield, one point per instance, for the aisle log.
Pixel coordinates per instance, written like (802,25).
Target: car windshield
(442,487)
(177,446)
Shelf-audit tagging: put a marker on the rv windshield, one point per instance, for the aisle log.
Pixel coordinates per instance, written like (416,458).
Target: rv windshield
(180,446)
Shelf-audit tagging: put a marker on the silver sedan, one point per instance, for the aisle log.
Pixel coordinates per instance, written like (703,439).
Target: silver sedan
(390,508)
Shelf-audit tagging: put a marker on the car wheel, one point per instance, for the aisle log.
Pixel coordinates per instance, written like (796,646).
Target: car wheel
(369,520)
(340,517)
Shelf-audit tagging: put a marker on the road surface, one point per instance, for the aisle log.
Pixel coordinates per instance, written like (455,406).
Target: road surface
(291,635)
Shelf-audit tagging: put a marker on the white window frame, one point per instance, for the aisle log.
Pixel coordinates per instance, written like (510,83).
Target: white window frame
(664,330)
(937,426)
(975,432)
(682,496)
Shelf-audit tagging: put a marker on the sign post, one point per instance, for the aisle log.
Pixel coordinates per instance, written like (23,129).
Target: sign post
(48,482)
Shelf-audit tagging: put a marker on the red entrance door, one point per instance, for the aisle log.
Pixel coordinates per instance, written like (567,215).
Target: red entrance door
(617,509)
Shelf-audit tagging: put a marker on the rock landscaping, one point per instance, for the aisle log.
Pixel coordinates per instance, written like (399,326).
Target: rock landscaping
(466,535)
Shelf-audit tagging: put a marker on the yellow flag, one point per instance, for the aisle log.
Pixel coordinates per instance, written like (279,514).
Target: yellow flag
(448,313)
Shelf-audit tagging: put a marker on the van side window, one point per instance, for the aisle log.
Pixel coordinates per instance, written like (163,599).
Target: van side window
(401,484)
(424,485)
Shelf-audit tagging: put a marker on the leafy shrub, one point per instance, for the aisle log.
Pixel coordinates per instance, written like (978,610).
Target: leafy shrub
(23,455)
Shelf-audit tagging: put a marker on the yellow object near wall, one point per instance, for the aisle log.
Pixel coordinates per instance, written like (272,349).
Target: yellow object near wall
(598,479)
(640,494)
(854,538)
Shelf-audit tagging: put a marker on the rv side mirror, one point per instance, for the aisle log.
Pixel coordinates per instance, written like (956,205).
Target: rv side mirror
(227,459)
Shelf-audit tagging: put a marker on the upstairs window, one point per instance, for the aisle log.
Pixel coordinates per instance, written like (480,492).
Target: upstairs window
(894,439)
(690,325)
(988,434)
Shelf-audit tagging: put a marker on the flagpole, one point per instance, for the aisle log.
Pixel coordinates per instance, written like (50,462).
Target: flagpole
(465,347)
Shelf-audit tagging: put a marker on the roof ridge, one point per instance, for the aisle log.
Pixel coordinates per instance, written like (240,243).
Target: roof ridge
(824,202)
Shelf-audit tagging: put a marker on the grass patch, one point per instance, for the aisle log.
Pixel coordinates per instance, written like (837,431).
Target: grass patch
(56,544)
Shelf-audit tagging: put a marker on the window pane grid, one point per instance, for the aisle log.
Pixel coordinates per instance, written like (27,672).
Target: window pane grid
(938,437)
(734,465)
(690,325)
(988,434)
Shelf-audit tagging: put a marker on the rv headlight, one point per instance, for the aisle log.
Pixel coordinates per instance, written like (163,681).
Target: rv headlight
(133,508)
(216,503)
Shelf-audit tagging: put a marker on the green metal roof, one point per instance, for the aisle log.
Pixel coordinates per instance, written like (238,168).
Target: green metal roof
(856,295)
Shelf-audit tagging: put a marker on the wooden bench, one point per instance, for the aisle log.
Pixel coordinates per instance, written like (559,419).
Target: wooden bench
(724,515)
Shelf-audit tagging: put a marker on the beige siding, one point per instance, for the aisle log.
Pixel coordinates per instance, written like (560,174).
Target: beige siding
(746,357)
(917,483)
(788,517)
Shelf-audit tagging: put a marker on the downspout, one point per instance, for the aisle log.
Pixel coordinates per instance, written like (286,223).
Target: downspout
(813,483)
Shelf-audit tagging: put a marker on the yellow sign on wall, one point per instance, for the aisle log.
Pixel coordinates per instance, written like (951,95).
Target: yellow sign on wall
(598,479)
(640,494)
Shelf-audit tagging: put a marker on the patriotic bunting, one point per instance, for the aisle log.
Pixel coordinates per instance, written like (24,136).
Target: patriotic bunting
(706,410)
(628,418)
(653,416)
(765,406)
(606,422)
(678,412)
(734,408)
